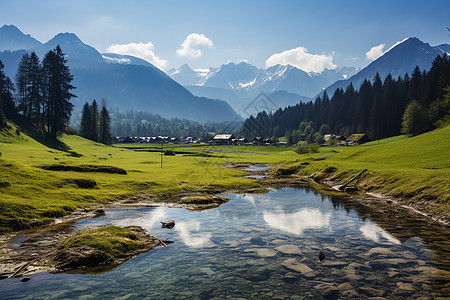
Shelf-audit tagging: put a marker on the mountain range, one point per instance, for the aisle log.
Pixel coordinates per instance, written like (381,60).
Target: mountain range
(126,82)
(398,61)
(240,83)
(244,78)
(213,94)
(286,85)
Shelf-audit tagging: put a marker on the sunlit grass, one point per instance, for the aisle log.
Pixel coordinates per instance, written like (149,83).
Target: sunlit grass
(415,167)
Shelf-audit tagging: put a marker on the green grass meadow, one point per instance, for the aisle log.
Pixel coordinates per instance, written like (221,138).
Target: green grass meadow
(31,194)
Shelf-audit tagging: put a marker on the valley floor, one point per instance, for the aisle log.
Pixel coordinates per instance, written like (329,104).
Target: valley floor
(42,181)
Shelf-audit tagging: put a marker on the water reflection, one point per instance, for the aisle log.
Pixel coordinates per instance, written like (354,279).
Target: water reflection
(299,221)
(191,236)
(374,232)
(368,254)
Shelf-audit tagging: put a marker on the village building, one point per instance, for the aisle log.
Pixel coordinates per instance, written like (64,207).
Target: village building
(223,139)
(357,139)
(338,138)
(260,141)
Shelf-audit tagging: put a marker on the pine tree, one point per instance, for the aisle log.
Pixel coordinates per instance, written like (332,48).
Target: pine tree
(7,107)
(57,85)
(105,125)
(34,89)
(85,122)
(22,82)
(94,122)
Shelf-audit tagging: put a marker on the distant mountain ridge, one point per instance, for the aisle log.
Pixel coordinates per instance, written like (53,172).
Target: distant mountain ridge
(398,61)
(125,81)
(245,79)
(240,83)
(11,38)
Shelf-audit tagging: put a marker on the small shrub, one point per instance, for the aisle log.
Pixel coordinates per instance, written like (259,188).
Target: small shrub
(329,170)
(4,184)
(287,170)
(169,152)
(307,148)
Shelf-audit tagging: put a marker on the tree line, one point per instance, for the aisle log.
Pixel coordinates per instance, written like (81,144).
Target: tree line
(378,108)
(7,106)
(95,125)
(140,123)
(43,91)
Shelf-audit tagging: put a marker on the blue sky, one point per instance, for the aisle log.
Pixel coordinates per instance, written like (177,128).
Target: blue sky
(313,34)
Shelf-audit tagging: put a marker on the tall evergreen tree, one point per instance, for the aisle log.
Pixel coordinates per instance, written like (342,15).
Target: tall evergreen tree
(22,82)
(57,81)
(85,123)
(7,107)
(94,122)
(105,135)
(34,89)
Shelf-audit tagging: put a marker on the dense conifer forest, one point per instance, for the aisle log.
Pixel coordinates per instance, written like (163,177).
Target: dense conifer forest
(139,123)
(377,108)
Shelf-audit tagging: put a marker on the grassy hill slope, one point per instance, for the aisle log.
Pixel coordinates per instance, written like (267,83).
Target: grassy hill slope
(416,169)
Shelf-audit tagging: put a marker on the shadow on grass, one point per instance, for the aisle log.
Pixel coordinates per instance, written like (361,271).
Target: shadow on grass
(42,137)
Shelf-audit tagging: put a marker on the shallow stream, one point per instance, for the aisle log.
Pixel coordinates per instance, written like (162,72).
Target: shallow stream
(263,246)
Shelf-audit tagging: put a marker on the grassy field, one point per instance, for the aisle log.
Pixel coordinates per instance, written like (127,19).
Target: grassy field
(41,180)
(31,192)
(416,168)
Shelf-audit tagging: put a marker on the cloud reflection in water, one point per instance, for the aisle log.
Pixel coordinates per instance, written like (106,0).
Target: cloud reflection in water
(146,220)
(189,233)
(297,222)
(373,232)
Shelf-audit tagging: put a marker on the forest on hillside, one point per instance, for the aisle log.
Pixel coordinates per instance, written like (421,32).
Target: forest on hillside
(377,108)
(141,123)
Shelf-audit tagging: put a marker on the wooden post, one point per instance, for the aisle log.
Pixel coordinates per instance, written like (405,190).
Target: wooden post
(162,141)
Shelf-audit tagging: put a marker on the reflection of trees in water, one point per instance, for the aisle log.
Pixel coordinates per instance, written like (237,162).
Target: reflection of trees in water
(403,224)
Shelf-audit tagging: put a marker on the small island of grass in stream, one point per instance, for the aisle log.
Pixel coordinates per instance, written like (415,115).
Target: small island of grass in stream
(103,246)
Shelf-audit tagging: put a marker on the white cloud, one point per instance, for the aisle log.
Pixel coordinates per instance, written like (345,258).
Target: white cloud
(189,47)
(141,50)
(375,52)
(300,58)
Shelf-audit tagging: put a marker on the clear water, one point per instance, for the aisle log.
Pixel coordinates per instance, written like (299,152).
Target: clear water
(257,246)
(257,168)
